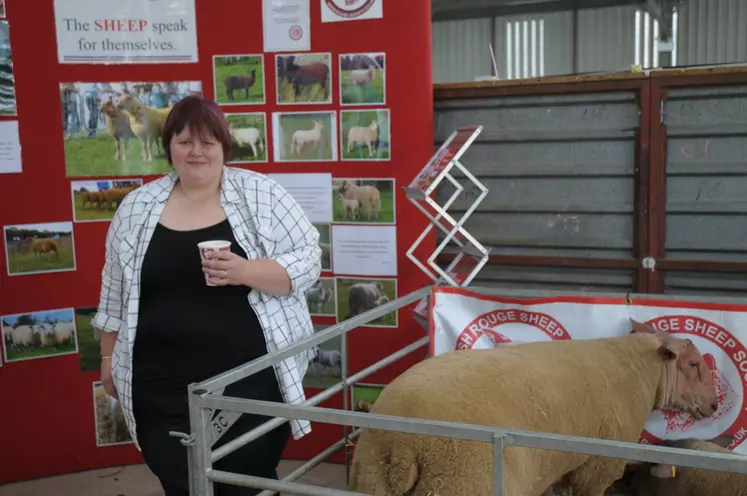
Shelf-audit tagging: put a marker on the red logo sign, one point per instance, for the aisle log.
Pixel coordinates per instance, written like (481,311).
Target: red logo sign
(349,8)
(486,324)
(295,32)
(727,358)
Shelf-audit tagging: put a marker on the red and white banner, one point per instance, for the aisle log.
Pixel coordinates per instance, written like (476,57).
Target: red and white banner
(464,319)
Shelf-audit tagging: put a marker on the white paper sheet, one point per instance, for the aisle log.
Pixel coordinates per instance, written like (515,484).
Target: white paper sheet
(365,250)
(10,149)
(286,25)
(313,192)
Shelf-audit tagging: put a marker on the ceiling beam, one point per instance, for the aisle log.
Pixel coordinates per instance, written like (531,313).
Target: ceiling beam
(450,10)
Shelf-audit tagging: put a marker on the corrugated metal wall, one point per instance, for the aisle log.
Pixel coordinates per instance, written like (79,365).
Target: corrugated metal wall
(708,31)
(560,173)
(706,184)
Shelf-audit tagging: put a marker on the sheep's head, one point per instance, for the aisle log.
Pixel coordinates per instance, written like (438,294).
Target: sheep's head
(318,125)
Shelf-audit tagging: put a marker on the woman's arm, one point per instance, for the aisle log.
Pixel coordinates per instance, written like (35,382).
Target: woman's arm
(110,315)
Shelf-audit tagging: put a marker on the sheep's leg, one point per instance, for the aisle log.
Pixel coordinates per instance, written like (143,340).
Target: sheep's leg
(124,148)
(370,149)
(142,147)
(595,475)
(254,148)
(117,143)
(149,147)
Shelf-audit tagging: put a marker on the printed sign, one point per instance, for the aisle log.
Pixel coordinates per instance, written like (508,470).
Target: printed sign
(131,32)
(351,10)
(451,150)
(286,25)
(463,319)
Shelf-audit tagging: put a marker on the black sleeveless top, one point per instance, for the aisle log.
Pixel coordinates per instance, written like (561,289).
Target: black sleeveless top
(188,331)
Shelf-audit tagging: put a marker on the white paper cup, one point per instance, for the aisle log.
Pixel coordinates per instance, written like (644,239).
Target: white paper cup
(213,245)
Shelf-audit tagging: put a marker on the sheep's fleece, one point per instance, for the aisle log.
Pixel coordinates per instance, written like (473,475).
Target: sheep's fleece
(599,388)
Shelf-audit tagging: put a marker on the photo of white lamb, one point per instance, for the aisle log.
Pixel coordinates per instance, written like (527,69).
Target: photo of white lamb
(305,136)
(248,137)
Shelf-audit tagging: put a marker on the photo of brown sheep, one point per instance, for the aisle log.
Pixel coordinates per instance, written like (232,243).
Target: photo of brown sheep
(239,79)
(114,129)
(111,428)
(96,201)
(37,248)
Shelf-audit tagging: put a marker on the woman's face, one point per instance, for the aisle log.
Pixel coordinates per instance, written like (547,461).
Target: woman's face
(198,161)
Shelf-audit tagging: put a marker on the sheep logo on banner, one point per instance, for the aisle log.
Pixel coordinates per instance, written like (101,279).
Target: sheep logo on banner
(535,326)
(350,8)
(727,358)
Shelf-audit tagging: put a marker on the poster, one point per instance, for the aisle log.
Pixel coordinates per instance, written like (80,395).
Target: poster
(303,78)
(363,201)
(286,25)
(365,135)
(365,395)
(239,79)
(312,192)
(351,10)
(98,200)
(325,369)
(325,243)
(462,319)
(249,137)
(110,425)
(32,335)
(10,148)
(362,78)
(365,250)
(89,352)
(7,74)
(131,32)
(103,126)
(320,298)
(39,248)
(305,136)
(356,295)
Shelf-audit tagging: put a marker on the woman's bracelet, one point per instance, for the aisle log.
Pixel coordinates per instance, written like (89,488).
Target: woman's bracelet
(104,358)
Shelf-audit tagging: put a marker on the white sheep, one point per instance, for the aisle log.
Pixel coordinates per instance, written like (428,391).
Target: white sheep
(326,254)
(364,135)
(317,296)
(249,136)
(351,206)
(303,136)
(63,332)
(369,198)
(361,76)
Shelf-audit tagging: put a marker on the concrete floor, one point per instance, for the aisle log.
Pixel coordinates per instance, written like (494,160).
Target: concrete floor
(137,480)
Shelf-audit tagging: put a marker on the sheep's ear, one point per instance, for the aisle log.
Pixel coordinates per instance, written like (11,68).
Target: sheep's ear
(664,471)
(641,327)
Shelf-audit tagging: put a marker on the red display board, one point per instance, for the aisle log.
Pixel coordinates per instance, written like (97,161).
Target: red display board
(47,419)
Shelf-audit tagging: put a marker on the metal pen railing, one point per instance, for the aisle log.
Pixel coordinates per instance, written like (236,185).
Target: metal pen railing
(203,397)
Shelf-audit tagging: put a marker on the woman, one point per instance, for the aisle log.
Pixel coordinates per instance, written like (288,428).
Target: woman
(161,327)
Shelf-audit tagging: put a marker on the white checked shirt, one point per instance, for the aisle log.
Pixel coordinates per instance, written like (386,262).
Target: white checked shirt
(267,223)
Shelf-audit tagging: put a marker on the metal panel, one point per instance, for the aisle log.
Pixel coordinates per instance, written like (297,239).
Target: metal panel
(706,173)
(605,39)
(705,284)
(559,169)
(461,50)
(711,32)
(554,279)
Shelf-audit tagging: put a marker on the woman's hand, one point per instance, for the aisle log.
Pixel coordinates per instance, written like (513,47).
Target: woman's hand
(225,268)
(106,378)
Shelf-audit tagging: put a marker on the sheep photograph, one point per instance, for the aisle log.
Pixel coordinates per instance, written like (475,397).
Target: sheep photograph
(39,334)
(114,129)
(248,137)
(96,201)
(365,135)
(38,248)
(89,353)
(2,8)
(320,298)
(303,78)
(325,369)
(358,295)
(362,78)
(7,77)
(365,395)
(363,201)
(111,428)
(239,79)
(325,244)
(305,136)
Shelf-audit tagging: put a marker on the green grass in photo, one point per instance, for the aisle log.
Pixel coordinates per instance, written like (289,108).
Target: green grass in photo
(24,261)
(325,245)
(358,148)
(290,123)
(362,94)
(244,152)
(365,392)
(88,348)
(226,66)
(343,289)
(95,156)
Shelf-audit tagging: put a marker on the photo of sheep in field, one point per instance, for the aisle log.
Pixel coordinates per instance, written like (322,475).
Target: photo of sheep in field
(111,428)
(305,136)
(303,78)
(96,201)
(362,78)
(37,248)
(358,295)
(239,79)
(39,334)
(365,395)
(363,201)
(365,135)
(89,353)
(248,137)
(325,369)
(320,298)
(114,129)
(8,105)
(325,243)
